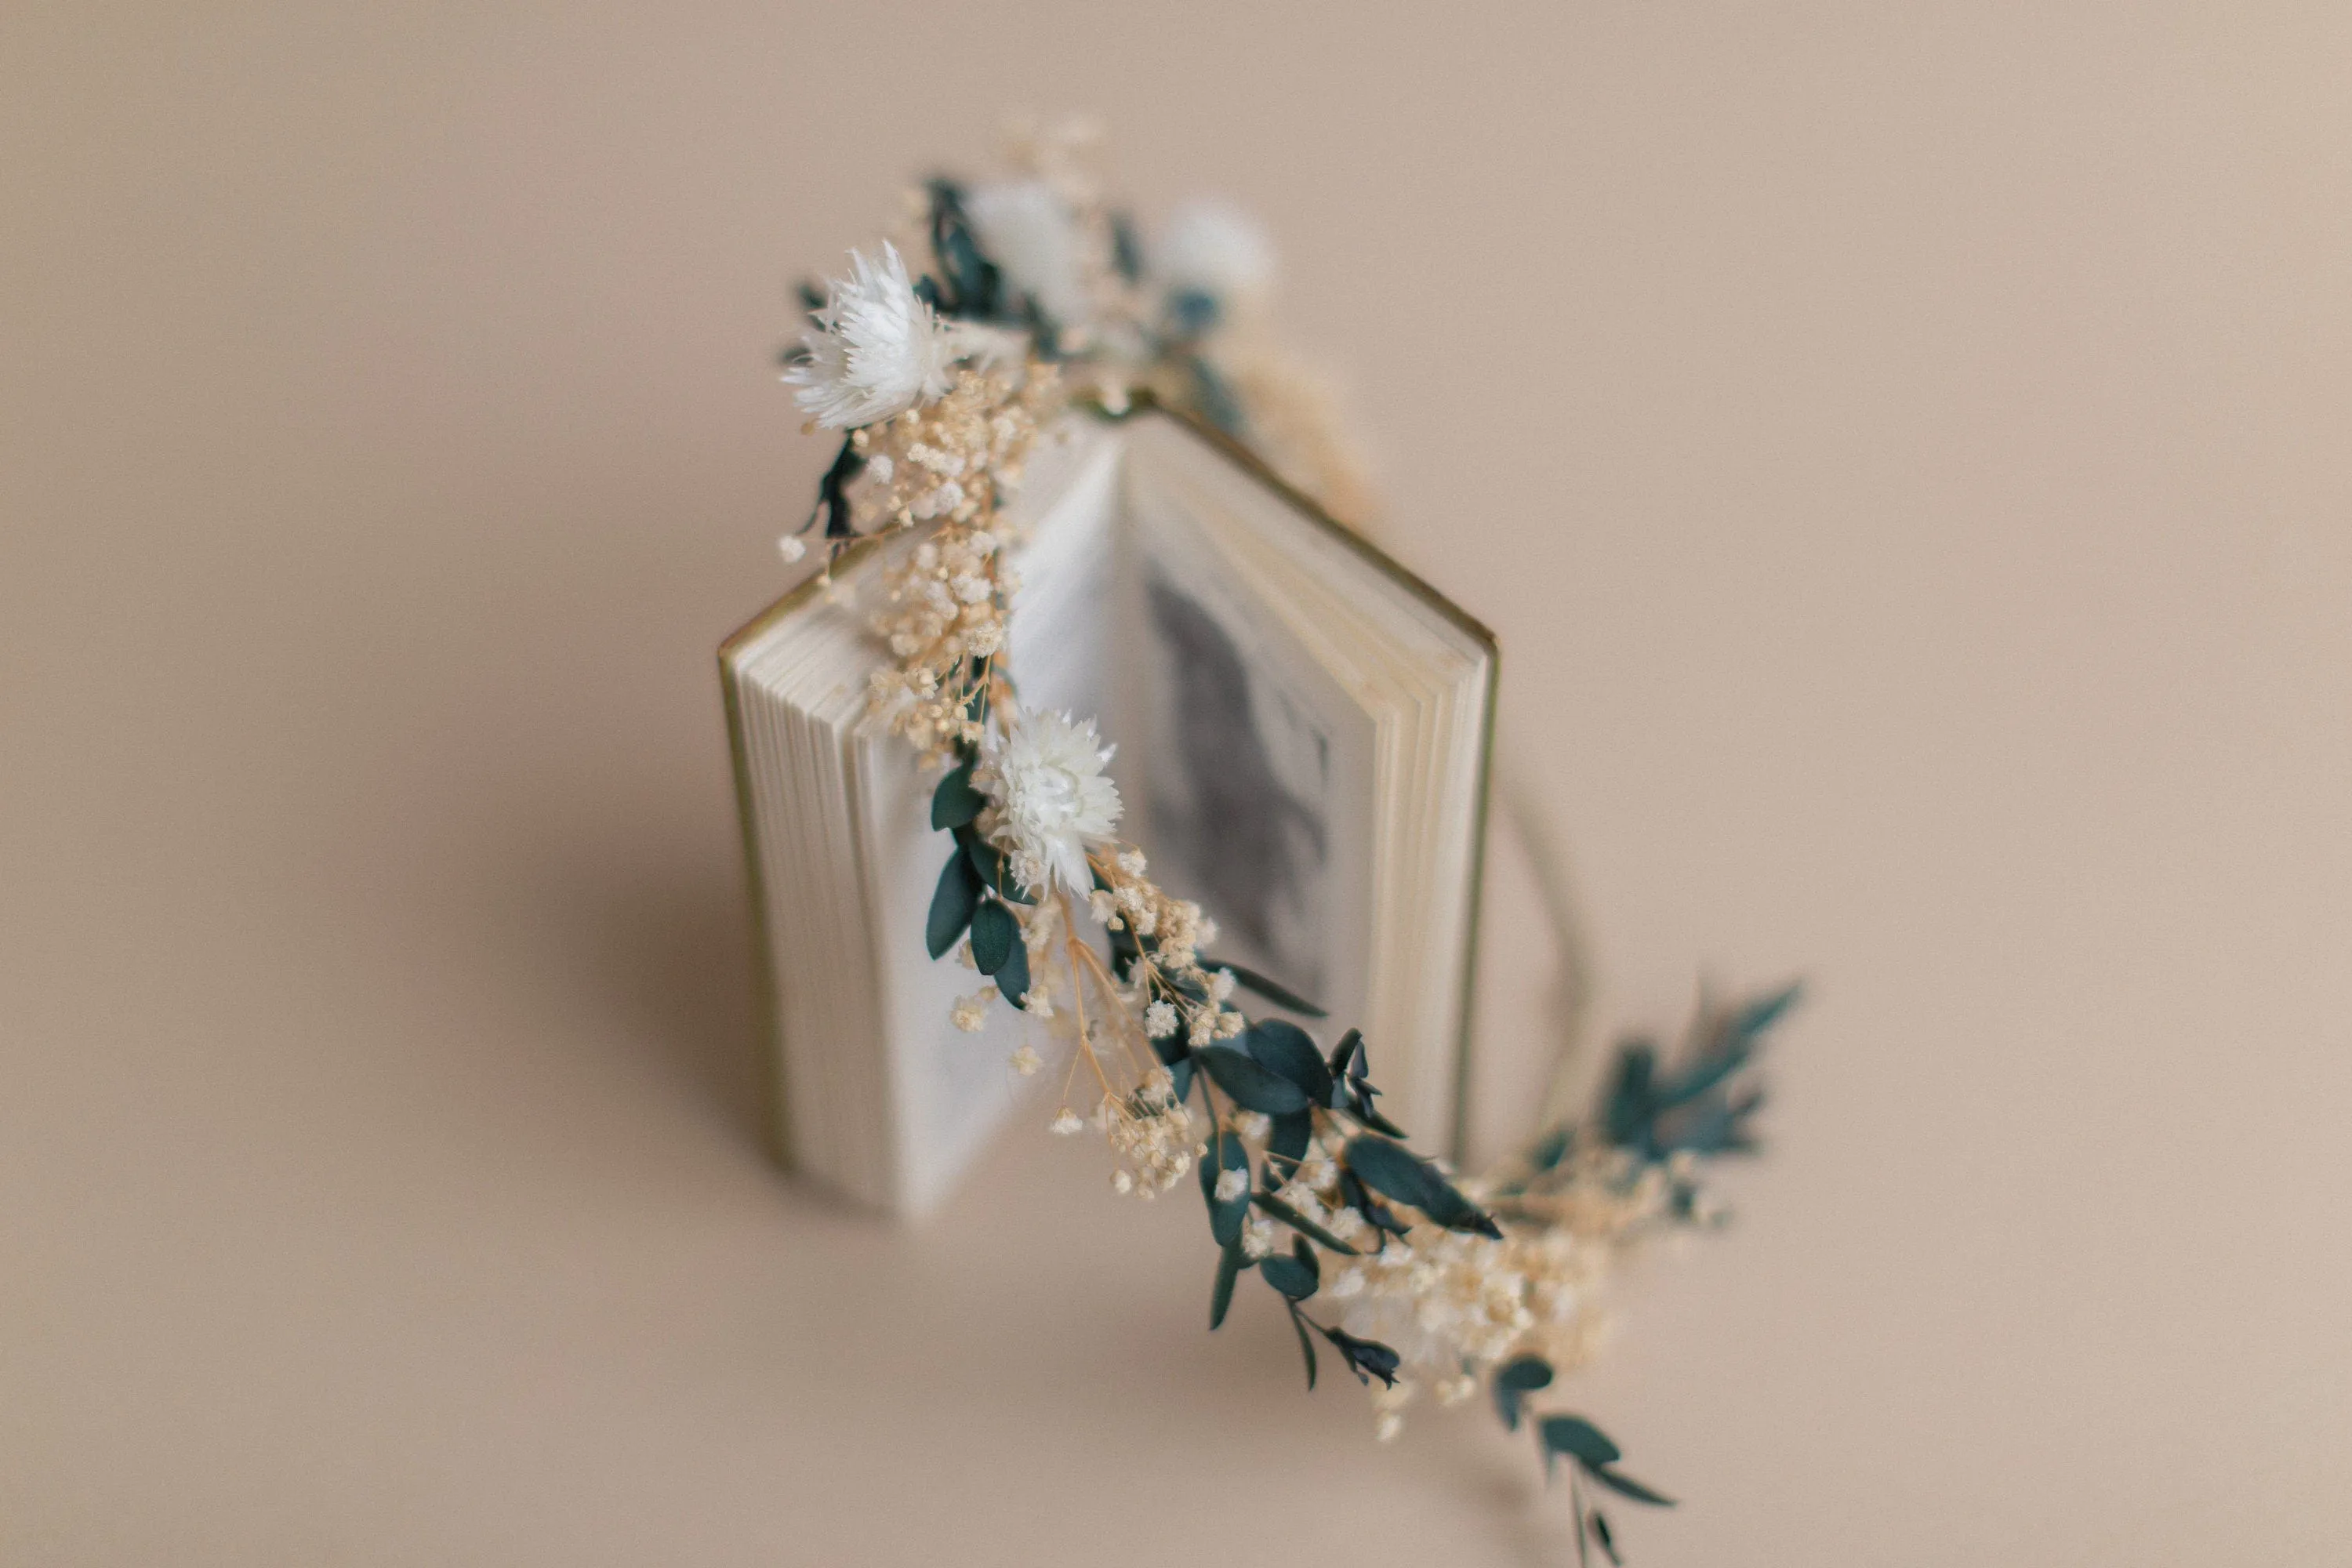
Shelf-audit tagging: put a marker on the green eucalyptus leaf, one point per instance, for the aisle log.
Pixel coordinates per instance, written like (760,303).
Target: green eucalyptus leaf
(1717,1127)
(995,932)
(1344,1054)
(1251,1084)
(955,802)
(1230,1263)
(994,869)
(1287,1143)
(1626,1485)
(1524,1373)
(972,279)
(1765,1011)
(1124,949)
(1396,1172)
(1367,1359)
(1514,1381)
(1013,978)
(1701,1077)
(1285,1048)
(1509,1403)
(1577,1438)
(1281,996)
(1628,1106)
(1299,1222)
(1601,1534)
(1226,1152)
(1305,1346)
(1288,1275)
(1355,1195)
(953,904)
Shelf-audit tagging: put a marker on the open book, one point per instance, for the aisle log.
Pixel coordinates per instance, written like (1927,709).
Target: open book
(1302,730)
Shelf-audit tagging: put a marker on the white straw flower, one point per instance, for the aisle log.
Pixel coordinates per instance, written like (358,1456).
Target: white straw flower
(876,349)
(1215,248)
(1030,231)
(1046,781)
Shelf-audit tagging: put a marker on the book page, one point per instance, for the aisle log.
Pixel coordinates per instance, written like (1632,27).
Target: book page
(1256,767)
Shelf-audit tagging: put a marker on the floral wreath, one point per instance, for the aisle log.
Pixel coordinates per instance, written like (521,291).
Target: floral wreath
(1035,296)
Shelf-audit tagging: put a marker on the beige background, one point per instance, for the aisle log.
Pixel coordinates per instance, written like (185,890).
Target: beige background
(1904,449)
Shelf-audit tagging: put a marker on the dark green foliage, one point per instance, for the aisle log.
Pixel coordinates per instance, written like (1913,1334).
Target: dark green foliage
(1657,1111)
(1525,1374)
(832,492)
(1720,1127)
(1580,1441)
(1125,246)
(1652,1110)
(1367,1359)
(1013,979)
(1351,1087)
(1251,1086)
(1577,1438)
(1124,950)
(1626,1485)
(1632,1100)
(995,932)
(955,802)
(971,284)
(1288,1143)
(953,904)
(1348,1057)
(1306,1345)
(1281,996)
(1191,312)
(1179,1073)
(1226,1152)
(1395,1171)
(994,870)
(1547,1155)
(1354,1194)
(811,297)
(1298,1222)
(1286,1049)
(1298,1276)
(1230,1263)
(1514,1381)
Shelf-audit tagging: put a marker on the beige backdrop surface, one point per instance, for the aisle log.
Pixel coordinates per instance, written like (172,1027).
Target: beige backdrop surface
(1904,451)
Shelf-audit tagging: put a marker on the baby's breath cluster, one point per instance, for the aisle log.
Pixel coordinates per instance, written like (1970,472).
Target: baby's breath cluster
(953,464)
(957,458)
(1154,1134)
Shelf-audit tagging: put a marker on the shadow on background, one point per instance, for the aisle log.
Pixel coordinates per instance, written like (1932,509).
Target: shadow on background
(665,949)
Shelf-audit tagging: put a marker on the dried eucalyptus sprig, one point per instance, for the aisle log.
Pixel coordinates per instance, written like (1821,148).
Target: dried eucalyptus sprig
(1037,295)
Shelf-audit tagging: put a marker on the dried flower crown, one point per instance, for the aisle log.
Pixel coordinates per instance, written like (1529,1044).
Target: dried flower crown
(1038,294)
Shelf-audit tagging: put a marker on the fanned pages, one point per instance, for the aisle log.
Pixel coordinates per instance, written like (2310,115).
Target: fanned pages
(1302,730)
